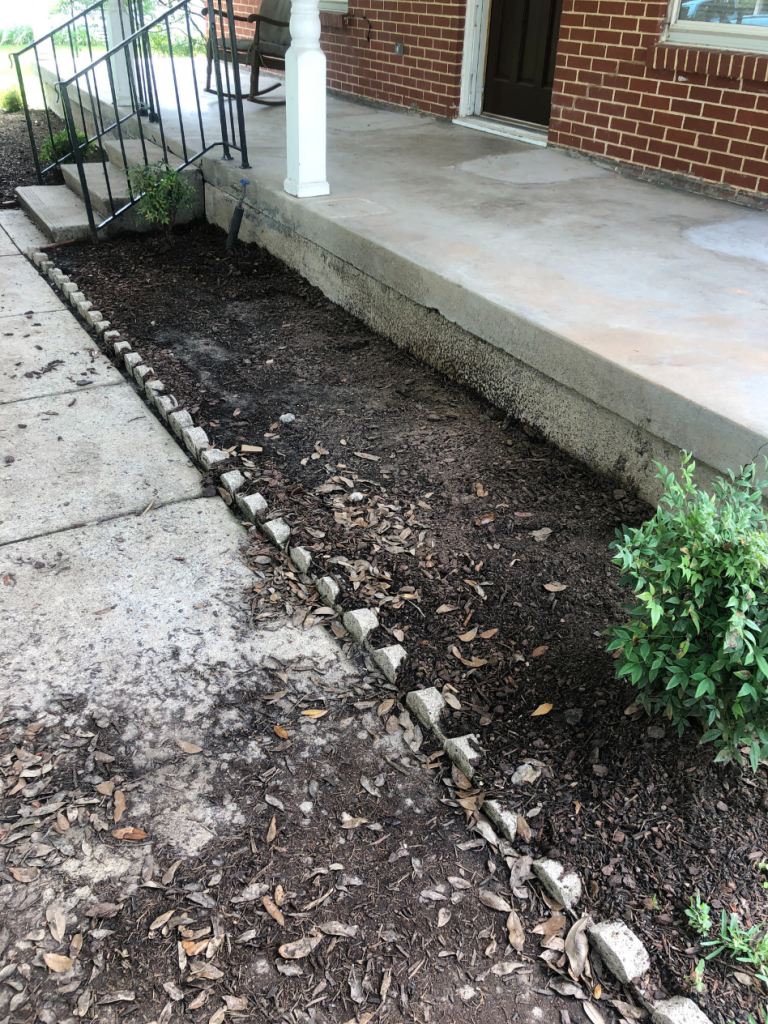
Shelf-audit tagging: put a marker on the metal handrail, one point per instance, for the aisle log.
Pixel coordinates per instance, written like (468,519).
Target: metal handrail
(143,100)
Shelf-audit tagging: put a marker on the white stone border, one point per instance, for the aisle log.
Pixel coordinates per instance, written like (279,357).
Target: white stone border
(620,949)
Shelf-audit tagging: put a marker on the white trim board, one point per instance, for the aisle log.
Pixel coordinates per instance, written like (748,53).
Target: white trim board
(473,57)
(509,130)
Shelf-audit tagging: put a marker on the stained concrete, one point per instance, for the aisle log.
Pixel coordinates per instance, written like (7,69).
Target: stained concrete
(48,353)
(138,622)
(95,454)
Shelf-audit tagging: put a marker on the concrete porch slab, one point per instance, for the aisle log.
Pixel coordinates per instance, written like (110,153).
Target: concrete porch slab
(46,354)
(624,320)
(618,317)
(83,457)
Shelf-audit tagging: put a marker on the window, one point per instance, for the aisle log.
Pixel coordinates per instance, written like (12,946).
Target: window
(342,6)
(719,24)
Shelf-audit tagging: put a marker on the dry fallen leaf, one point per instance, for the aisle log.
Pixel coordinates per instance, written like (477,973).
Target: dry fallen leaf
(484,520)
(24,874)
(189,748)
(272,830)
(577,946)
(480,491)
(515,931)
(553,925)
(385,706)
(168,876)
(347,931)
(466,637)
(218,1017)
(443,917)
(315,712)
(194,948)
(554,587)
(105,788)
(446,608)
(57,921)
(490,899)
(452,701)
(119,805)
(273,910)
(459,778)
(235,1002)
(504,968)
(347,821)
(489,633)
(160,921)
(566,987)
(365,455)
(593,1013)
(129,833)
(523,828)
(538,651)
(280,731)
(542,709)
(399,635)
(56,962)
(299,949)
(541,535)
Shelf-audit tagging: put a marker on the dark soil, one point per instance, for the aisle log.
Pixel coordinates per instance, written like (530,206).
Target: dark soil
(645,816)
(16,164)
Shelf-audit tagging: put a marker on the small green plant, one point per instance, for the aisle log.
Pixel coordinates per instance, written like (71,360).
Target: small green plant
(763,866)
(696,645)
(10,101)
(58,148)
(163,193)
(761,1018)
(748,945)
(696,977)
(698,915)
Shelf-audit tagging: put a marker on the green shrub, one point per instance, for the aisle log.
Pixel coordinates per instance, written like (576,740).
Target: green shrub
(165,193)
(10,101)
(695,645)
(59,147)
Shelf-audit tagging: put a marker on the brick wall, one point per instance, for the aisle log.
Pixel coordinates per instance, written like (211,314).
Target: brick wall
(427,75)
(699,115)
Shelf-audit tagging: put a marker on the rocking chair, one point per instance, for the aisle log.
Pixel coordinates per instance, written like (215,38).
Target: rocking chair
(267,48)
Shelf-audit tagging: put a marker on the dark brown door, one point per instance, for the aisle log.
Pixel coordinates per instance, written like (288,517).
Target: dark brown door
(520,69)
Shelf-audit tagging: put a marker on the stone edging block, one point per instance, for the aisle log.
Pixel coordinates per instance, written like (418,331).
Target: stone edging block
(428,706)
(389,660)
(623,953)
(250,505)
(678,1010)
(360,623)
(465,753)
(562,886)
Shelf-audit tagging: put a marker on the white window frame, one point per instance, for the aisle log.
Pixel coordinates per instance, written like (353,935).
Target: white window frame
(335,6)
(713,35)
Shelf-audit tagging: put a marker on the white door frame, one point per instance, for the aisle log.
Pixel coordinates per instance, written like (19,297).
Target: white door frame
(473,58)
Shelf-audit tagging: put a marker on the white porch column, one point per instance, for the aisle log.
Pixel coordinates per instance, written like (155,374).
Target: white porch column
(305,103)
(117,30)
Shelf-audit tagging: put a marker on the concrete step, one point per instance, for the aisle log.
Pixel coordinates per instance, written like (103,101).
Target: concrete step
(56,210)
(134,155)
(96,179)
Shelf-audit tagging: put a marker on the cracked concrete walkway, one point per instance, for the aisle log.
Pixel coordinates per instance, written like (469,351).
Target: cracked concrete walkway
(109,610)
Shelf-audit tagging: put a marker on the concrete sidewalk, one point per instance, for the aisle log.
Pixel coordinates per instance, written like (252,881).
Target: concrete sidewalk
(122,592)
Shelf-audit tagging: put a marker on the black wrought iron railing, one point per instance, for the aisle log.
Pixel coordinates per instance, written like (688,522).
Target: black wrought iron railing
(143,86)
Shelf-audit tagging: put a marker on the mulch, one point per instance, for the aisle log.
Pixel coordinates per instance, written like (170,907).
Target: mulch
(16,164)
(444,539)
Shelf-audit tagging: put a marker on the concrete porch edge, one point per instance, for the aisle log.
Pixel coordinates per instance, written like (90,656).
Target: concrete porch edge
(615,421)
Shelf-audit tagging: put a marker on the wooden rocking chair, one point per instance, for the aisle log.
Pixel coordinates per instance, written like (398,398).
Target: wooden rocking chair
(266,48)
